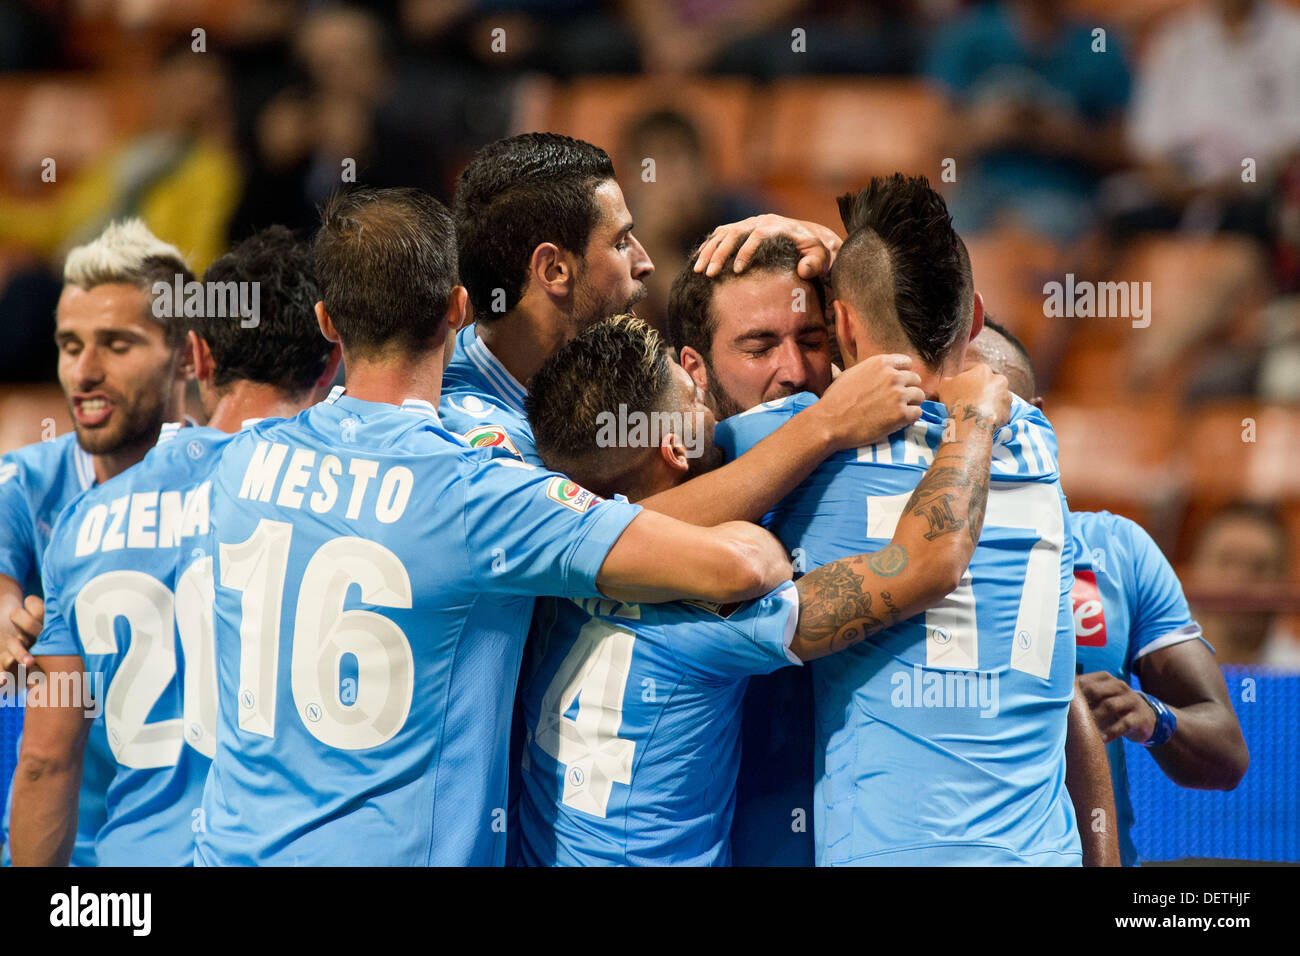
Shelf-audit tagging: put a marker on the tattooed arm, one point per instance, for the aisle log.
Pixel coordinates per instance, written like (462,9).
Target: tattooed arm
(848,600)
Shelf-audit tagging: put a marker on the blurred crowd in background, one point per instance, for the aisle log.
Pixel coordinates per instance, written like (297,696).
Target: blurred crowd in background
(1129,141)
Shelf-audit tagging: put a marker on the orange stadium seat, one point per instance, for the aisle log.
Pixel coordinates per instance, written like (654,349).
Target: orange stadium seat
(1119,457)
(1010,268)
(599,109)
(30,413)
(1224,463)
(844,130)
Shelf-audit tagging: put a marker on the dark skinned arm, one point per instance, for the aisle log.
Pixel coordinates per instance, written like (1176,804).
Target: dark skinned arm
(1087,778)
(1207,752)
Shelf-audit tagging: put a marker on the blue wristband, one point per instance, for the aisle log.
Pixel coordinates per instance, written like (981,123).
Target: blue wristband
(1166,722)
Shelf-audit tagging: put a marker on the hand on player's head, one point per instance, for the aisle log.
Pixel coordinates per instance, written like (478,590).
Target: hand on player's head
(816,243)
(871,400)
(980,390)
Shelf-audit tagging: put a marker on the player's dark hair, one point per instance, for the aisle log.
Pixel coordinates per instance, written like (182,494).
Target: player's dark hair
(514,195)
(900,235)
(618,361)
(1027,364)
(285,347)
(690,302)
(386,263)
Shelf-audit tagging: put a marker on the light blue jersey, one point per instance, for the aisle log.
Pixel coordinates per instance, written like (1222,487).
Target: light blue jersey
(941,740)
(1127,603)
(36,483)
(633,727)
(128,591)
(484,402)
(374,580)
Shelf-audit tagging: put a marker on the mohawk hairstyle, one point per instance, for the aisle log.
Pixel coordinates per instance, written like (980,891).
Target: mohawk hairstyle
(906,221)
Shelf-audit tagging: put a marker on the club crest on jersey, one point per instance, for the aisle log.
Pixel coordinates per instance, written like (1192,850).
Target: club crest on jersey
(491,436)
(571,494)
(1089,613)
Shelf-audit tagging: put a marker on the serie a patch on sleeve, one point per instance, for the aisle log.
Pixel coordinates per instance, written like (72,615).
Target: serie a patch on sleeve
(572,495)
(491,436)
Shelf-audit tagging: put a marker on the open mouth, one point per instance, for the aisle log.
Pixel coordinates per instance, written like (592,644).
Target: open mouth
(91,411)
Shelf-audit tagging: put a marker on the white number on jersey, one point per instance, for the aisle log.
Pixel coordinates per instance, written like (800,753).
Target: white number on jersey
(323,633)
(951,633)
(594,757)
(149,664)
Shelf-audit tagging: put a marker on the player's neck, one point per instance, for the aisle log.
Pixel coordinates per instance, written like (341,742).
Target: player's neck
(392,381)
(113,463)
(523,340)
(243,400)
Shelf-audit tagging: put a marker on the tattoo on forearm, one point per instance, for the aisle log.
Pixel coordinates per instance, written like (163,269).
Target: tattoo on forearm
(938,512)
(834,609)
(970,413)
(888,561)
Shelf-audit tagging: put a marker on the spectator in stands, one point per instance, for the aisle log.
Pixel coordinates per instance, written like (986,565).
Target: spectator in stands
(1244,549)
(680,205)
(1037,102)
(179,176)
(1220,86)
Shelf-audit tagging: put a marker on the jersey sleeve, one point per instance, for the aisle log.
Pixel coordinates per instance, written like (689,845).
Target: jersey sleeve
(740,640)
(57,638)
(1161,617)
(534,532)
(739,433)
(18,558)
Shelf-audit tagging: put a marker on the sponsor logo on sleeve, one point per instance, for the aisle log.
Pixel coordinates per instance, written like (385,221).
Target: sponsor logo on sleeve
(571,494)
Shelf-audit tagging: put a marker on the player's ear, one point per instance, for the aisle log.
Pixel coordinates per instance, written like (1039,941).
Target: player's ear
(199,356)
(846,333)
(693,362)
(458,312)
(187,357)
(551,269)
(673,453)
(326,325)
(977,320)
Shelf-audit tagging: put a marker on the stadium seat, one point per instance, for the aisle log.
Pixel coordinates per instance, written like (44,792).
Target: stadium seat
(843,130)
(1010,268)
(599,109)
(1118,457)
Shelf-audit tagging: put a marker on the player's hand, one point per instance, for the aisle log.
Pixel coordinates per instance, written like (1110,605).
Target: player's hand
(977,392)
(817,244)
(1118,709)
(27,620)
(869,401)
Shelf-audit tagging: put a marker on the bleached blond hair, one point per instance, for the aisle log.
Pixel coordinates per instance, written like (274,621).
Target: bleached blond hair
(127,252)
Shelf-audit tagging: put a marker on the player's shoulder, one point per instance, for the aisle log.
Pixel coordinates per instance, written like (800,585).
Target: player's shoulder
(738,433)
(42,462)
(1025,448)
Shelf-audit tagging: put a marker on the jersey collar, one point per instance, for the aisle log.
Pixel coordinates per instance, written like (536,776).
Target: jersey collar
(409,405)
(504,385)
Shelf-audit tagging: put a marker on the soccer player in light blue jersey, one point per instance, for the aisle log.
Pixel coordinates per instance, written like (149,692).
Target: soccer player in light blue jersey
(374,579)
(129,550)
(633,711)
(941,740)
(1131,618)
(123,371)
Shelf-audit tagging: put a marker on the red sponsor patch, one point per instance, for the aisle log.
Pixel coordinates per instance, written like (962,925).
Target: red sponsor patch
(1089,615)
